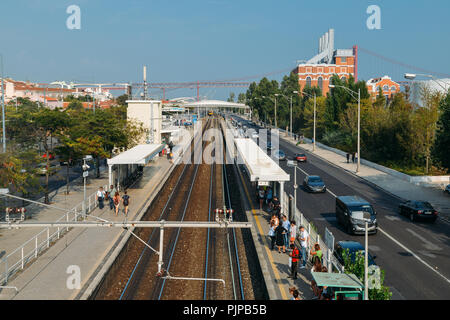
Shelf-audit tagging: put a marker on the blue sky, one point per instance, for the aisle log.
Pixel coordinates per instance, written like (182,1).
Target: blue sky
(212,39)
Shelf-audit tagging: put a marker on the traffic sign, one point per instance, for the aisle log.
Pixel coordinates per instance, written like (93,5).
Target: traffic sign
(329,239)
(85,174)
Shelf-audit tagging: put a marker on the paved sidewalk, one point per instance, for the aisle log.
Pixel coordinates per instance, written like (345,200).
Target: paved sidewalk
(12,239)
(394,185)
(84,248)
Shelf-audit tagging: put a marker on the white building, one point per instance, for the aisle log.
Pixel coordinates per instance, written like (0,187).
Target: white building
(149,112)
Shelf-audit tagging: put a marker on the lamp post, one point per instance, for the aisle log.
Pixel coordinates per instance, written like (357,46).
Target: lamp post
(85,174)
(366,263)
(3,105)
(294,165)
(358,162)
(314,125)
(412,76)
(290,128)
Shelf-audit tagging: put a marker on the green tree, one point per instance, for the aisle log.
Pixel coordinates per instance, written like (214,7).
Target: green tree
(231,97)
(355,265)
(441,147)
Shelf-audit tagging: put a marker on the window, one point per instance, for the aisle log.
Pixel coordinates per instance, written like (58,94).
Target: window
(393,88)
(344,79)
(332,70)
(320,83)
(343,59)
(385,87)
(308,81)
(320,70)
(308,69)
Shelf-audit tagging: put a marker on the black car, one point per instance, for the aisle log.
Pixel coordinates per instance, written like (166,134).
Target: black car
(353,212)
(353,247)
(447,189)
(314,184)
(416,210)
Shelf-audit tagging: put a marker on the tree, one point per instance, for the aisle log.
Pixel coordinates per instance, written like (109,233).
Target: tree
(441,147)
(355,265)
(241,98)
(121,100)
(47,124)
(231,97)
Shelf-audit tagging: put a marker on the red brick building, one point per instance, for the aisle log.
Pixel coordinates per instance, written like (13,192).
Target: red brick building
(387,85)
(317,71)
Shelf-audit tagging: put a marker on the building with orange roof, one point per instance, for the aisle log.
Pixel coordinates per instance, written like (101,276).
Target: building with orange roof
(317,71)
(386,84)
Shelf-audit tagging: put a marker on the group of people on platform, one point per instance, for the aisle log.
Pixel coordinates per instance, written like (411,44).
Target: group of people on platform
(113,197)
(284,233)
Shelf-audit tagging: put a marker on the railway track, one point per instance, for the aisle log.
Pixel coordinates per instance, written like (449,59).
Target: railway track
(189,198)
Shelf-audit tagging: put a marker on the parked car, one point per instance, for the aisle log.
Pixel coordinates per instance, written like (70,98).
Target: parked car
(42,169)
(353,247)
(187,123)
(447,189)
(353,211)
(416,210)
(279,155)
(300,157)
(314,184)
(71,162)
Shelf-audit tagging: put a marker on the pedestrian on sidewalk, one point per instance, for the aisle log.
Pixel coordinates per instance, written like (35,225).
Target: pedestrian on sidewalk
(126,202)
(353,157)
(295,293)
(348,157)
(279,235)
(304,240)
(274,220)
(117,202)
(272,235)
(293,234)
(356,157)
(295,256)
(100,197)
(287,226)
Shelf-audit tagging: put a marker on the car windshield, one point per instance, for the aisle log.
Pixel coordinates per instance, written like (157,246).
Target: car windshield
(352,253)
(300,155)
(314,179)
(359,212)
(423,205)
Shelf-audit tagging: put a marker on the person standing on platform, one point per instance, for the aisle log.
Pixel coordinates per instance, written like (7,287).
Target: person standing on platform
(100,197)
(117,202)
(353,157)
(272,235)
(287,226)
(295,257)
(279,235)
(125,202)
(348,157)
(293,234)
(304,240)
(261,195)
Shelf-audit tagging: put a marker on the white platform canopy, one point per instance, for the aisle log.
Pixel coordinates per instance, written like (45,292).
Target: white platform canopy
(215,104)
(260,166)
(140,154)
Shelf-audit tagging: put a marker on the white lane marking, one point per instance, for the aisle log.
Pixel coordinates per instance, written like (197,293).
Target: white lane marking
(413,254)
(427,244)
(374,248)
(392,218)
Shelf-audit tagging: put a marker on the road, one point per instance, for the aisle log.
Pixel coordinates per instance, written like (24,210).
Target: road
(407,252)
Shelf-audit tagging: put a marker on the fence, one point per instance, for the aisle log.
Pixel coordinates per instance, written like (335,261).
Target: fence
(328,257)
(20,257)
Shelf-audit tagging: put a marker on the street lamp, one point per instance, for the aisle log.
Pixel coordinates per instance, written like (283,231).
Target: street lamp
(314,126)
(358,162)
(3,105)
(412,76)
(293,163)
(85,174)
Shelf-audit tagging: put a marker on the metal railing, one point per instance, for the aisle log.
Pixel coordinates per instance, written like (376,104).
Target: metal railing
(29,250)
(328,257)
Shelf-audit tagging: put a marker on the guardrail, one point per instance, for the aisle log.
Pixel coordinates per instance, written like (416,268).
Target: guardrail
(328,257)
(24,254)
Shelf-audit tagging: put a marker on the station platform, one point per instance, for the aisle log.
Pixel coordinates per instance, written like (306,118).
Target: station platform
(89,249)
(274,265)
